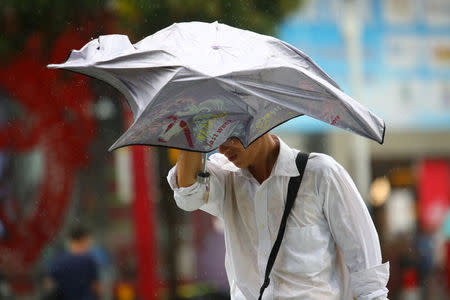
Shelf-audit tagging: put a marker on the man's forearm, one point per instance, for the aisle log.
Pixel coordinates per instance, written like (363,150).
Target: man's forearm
(188,165)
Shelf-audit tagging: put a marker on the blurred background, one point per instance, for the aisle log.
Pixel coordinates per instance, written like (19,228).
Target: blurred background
(55,128)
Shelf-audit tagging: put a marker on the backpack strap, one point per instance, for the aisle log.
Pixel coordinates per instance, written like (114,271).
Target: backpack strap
(293,187)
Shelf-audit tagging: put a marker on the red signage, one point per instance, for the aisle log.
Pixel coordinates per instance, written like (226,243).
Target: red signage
(55,120)
(433,191)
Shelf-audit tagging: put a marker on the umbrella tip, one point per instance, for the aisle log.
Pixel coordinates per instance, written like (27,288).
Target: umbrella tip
(112,148)
(382,136)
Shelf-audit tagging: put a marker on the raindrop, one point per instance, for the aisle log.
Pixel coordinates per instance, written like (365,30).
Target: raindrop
(2,230)
(104,109)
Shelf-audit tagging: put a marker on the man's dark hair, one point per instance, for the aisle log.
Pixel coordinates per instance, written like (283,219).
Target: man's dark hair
(78,232)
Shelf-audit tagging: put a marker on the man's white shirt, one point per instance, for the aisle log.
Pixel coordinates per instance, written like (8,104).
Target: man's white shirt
(330,249)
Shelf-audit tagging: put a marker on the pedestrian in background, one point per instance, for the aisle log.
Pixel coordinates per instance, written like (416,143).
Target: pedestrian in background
(74,274)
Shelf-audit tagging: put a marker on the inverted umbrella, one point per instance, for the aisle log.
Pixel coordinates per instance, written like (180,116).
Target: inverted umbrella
(193,85)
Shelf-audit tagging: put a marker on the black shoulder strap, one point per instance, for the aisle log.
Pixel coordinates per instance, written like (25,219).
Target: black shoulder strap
(293,187)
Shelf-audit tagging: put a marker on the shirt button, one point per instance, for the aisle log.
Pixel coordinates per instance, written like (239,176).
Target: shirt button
(265,253)
(262,226)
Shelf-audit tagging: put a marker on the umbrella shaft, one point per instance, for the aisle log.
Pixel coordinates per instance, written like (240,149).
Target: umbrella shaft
(204,157)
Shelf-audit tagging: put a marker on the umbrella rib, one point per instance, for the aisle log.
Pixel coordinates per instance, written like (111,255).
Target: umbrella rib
(108,78)
(262,87)
(127,56)
(357,120)
(159,92)
(305,56)
(245,87)
(339,93)
(284,92)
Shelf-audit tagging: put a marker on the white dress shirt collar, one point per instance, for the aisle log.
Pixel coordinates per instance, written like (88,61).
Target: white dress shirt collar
(283,165)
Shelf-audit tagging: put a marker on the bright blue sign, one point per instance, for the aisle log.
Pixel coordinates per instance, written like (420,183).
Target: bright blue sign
(406,58)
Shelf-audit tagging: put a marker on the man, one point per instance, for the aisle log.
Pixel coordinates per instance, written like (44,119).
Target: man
(330,244)
(74,274)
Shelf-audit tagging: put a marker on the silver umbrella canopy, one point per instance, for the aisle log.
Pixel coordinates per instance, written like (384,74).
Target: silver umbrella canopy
(193,85)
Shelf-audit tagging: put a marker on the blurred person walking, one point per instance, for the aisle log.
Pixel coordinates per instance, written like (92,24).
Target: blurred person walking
(74,275)
(330,249)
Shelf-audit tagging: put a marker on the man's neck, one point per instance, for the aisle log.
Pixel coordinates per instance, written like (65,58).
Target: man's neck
(265,158)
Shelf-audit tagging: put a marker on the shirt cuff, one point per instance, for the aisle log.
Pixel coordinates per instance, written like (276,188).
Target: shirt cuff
(172,179)
(188,198)
(370,283)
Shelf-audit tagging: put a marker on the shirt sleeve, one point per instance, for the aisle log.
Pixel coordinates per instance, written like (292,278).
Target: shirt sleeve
(195,196)
(355,234)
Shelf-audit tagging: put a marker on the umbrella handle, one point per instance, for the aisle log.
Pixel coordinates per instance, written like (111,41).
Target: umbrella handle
(203,176)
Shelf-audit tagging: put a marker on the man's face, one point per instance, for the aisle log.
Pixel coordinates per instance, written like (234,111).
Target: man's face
(82,245)
(236,153)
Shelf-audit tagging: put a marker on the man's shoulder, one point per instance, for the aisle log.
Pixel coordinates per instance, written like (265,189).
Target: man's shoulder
(61,259)
(322,163)
(86,258)
(69,258)
(59,263)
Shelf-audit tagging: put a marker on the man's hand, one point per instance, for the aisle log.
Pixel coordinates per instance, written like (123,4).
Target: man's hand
(188,165)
